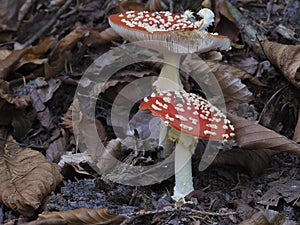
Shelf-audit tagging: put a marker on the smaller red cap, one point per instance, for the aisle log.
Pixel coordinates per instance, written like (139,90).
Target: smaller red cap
(190,114)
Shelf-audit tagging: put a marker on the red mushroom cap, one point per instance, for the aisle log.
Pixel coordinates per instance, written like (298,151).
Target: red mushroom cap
(177,32)
(190,114)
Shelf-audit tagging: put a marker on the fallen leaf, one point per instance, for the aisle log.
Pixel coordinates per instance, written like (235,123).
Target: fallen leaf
(286,58)
(74,160)
(83,216)
(224,22)
(7,64)
(34,55)
(63,52)
(26,178)
(228,78)
(254,136)
(296,137)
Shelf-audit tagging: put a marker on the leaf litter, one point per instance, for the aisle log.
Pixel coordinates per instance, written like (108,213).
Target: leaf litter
(35,80)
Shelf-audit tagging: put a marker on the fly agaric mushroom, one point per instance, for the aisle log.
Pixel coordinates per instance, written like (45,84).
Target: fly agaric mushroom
(170,34)
(191,117)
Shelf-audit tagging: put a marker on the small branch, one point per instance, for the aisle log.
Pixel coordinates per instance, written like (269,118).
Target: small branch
(135,215)
(48,25)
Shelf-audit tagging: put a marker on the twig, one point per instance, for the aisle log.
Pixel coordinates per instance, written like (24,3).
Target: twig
(48,25)
(135,215)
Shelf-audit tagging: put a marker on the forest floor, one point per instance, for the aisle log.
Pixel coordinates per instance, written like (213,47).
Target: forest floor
(70,90)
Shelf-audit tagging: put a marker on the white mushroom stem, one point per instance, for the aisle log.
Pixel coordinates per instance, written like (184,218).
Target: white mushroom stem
(169,78)
(183,167)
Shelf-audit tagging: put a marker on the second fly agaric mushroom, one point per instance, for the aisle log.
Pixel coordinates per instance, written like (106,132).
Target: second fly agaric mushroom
(170,34)
(191,117)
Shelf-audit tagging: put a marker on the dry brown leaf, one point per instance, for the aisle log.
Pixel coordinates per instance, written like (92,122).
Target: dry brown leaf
(43,46)
(228,78)
(103,37)
(33,56)
(7,64)
(63,52)
(26,178)
(221,67)
(224,22)
(254,136)
(83,216)
(296,137)
(286,58)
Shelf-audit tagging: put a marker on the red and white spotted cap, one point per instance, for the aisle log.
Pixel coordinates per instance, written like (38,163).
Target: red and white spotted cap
(174,32)
(190,114)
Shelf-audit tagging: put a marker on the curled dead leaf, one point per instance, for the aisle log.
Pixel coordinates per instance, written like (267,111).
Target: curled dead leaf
(83,216)
(26,178)
(255,136)
(286,58)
